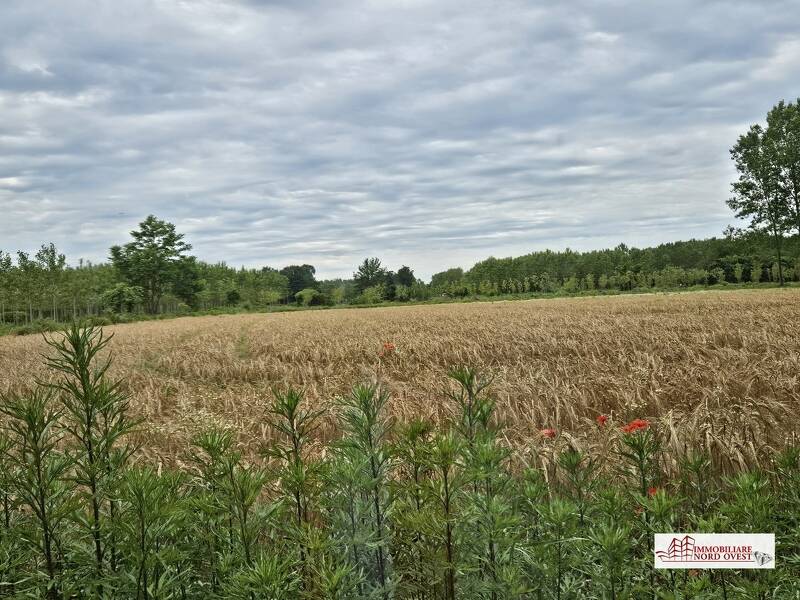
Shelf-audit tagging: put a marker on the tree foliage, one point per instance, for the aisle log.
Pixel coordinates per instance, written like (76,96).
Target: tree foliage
(369,274)
(405,276)
(307,296)
(768,163)
(122,298)
(299,277)
(152,261)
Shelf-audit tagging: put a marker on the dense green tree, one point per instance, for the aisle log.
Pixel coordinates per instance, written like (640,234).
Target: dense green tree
(307,296)
(151,260)
(405,276)
(370,273)
(374,294)
(233,297)
(51,264)
(443,279)
(186,283)
(338,291)
(783,130)
(402,293)
(121,298)
(6,274)
(300,277)
(29,281)
(756,194)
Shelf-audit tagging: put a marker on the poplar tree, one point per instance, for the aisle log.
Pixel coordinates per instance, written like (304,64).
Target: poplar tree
(757,193)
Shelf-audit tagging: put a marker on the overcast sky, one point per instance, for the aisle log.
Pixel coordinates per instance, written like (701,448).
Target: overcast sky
(428,133)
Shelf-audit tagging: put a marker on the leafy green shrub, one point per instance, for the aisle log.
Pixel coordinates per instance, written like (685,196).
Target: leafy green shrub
(13,317)
(127,317)
(38,326)
(307,296)
(122,298)
(373,295)
(99,321)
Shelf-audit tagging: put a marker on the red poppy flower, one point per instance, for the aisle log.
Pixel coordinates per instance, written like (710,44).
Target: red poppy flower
(388,349)
(636,425)
(548,433)
(652,491)
(601,419)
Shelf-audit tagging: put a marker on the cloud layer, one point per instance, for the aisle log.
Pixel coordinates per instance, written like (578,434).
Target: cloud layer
(429,133)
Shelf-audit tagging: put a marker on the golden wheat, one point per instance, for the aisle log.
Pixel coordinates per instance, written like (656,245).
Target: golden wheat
(717,370)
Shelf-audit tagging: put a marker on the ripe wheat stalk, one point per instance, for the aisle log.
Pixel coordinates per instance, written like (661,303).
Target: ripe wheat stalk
(718,370)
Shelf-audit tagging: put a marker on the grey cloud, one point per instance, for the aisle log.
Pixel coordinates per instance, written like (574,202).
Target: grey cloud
(427,133)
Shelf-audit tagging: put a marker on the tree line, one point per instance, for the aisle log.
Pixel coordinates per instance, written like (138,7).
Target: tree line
(154,272)
(740,257)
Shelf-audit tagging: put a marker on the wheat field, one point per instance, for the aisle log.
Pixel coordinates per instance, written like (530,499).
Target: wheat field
(715,370)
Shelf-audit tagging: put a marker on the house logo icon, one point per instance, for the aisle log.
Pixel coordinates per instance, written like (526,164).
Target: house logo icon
(679,549)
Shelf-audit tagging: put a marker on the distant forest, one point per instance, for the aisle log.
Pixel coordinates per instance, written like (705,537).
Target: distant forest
(154,273)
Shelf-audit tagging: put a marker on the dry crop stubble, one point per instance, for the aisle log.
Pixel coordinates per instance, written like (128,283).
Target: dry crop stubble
(718,370)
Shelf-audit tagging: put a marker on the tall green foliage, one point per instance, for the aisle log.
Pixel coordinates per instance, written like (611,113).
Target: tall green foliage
(757,194)
(767,191)
(152,260)
(783,127)
(365,445)
(40,483)
(95,420)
